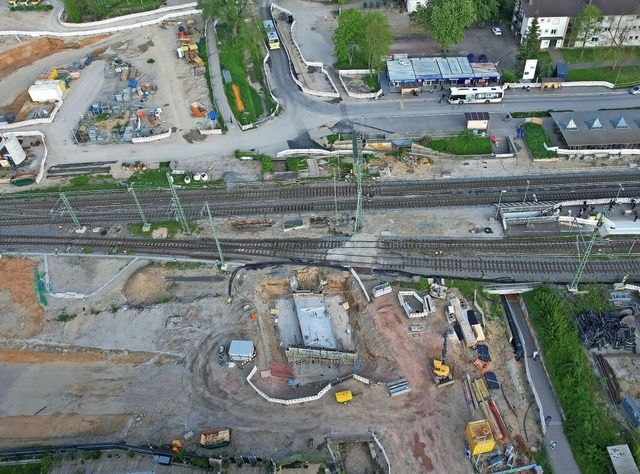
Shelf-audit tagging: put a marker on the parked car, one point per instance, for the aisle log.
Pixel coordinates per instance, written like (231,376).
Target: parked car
(483,58)
(35,3)
(496,31)
(471,58)
(635,90)
(90,59)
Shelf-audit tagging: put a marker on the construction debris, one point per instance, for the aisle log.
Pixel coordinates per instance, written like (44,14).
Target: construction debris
(600,330)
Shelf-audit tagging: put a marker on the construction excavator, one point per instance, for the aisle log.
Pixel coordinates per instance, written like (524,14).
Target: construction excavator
(442,373)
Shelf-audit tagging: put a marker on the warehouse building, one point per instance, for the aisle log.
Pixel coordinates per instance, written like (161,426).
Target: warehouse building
(408,75)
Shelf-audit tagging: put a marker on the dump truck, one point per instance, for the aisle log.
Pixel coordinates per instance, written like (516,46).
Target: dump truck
(215,438)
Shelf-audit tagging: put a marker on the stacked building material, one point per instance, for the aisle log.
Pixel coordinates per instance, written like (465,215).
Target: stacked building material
(481,399)
(600,330)
(398,387)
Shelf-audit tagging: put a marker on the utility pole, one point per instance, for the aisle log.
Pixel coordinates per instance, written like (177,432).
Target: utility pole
(176,202)
(146,227)
(215,235)
(79,227)
(357,169)
(573,286)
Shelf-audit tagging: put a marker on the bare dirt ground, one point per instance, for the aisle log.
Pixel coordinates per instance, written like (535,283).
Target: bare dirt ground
(138,362)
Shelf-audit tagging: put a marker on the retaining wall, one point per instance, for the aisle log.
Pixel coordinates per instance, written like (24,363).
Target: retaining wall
(320,65)
(295,401)
(45,154)
(151,138)
(112,29)
(538,85)
(27,123)
(124,17)
(357,95)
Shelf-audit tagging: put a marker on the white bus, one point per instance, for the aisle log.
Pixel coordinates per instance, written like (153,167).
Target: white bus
(272,35)
(475,95)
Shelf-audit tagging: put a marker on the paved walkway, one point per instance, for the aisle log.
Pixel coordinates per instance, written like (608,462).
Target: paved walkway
(561,457)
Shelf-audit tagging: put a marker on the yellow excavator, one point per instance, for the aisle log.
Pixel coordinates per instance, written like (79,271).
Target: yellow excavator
(442,373)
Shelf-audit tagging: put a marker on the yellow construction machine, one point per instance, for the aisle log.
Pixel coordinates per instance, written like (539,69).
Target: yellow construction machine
(442,373)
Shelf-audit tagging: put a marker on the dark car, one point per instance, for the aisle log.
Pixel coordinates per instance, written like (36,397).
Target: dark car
(90,59)
(471,58)
(483,58)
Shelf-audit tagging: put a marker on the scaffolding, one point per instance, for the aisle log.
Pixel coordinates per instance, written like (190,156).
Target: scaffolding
(304,355)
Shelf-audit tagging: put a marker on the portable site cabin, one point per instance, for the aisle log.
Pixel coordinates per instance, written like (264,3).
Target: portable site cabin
(480,437)
(241,351)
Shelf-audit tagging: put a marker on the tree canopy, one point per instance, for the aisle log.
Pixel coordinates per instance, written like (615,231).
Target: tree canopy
(486,10)
(530,47)
(587,24)
(445,20)
(228,12)
(362,38)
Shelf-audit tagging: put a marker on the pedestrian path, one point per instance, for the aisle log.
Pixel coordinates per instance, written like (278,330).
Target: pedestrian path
(560,455)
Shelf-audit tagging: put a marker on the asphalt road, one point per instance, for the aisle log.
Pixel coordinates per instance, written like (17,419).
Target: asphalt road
(306,116)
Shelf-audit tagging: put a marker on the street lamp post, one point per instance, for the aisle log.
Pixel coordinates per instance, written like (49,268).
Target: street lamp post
(525,193)
(499,201)
(620,188)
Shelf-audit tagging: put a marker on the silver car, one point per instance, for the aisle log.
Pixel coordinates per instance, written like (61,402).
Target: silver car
(634,90)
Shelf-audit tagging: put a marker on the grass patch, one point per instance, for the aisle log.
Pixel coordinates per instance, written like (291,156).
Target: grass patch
(31,8)
(466,143)
(242,57)
(32,468)
(627,74)
(540,113)
(173,227)
(149,178)
(64,316)
(536,136)
(267,162)
(572,55)
(297,163)
(588,427)
(593,298)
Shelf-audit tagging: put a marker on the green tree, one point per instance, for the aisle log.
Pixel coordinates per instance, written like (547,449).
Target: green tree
(486,10)
(530,47)
(228,12)
(445,20)
(587,24)
(377,38)
(347,36)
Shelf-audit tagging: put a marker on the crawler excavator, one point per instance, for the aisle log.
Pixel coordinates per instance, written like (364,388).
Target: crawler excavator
(442,373)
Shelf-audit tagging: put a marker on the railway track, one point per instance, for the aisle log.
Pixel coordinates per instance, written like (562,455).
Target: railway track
(387,255)
(159,207)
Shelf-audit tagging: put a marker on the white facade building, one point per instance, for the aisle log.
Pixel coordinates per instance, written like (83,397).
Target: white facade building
(556,17)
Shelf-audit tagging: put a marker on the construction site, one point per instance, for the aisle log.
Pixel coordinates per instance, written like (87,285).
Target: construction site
(321,354)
